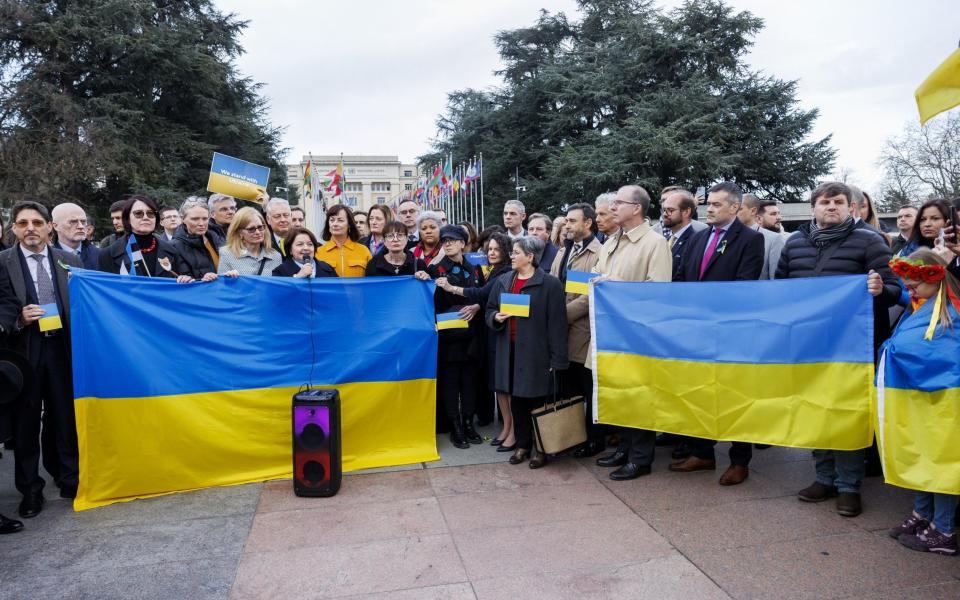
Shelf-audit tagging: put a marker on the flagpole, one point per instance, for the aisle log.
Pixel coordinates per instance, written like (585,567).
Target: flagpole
(483,220)
(343,179)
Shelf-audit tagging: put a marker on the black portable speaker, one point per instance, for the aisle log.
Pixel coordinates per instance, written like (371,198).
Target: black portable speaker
(316,443)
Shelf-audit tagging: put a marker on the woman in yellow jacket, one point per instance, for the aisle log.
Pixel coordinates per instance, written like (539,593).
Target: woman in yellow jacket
(341,250)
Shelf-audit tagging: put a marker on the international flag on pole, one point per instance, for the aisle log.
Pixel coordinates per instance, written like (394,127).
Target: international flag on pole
(137,265)
(578,282)
(306,189)
(517,305)
(446,178)
(776,368)
(918,404)
(940,91)
(451,321)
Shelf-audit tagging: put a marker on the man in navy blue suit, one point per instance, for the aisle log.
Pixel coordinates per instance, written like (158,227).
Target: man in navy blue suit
(726,251)
(70,223)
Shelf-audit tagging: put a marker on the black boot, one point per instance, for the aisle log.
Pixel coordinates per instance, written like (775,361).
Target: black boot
(456,436)
(469,432)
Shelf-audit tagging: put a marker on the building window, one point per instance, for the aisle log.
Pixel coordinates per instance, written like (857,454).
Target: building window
(351,201)
(408,186)
(408,173)
(380,186)
(381,199)
(354,186)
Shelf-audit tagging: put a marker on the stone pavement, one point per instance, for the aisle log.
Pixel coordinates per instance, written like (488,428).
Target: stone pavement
(472,526)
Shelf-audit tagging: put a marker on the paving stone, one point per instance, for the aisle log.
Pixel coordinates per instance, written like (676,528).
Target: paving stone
(327,572)
(356,489)
(504,476)
(456,591)
(665,578)
(186,580)
(558,546)
(340,525)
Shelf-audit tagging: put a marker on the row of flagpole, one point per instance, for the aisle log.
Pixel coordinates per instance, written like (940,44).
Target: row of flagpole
(455,189)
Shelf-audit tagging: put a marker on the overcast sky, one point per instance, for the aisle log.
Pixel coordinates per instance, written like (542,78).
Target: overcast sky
(370,77)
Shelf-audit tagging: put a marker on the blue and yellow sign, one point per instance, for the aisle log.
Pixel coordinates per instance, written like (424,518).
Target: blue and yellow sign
(237,178)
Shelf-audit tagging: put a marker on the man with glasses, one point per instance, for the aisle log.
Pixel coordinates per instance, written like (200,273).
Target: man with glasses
(38,276)
(634,253)
(222,208)
(70,224)
(409,212)
(169,221)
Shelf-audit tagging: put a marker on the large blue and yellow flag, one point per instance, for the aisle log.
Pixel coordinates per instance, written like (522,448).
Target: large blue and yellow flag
(918,405)
(786,362)
(181,387)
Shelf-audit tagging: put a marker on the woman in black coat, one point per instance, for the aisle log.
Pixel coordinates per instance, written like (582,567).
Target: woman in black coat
(530,350)
(392,259)
(197,246)
(300,260)
(140,221)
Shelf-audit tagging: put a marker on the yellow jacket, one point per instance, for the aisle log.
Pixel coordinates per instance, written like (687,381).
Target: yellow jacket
(349,260)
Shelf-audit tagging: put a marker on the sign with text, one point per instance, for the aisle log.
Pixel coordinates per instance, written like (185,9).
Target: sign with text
(237,178)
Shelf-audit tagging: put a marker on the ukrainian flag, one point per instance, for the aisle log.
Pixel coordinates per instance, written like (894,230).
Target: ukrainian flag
(50,320)
(451,321)
(788,363)
(180,387)
(918,405)
(578,282)
(517,305)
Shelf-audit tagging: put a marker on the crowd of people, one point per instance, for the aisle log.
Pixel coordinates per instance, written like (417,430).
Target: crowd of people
(497,359)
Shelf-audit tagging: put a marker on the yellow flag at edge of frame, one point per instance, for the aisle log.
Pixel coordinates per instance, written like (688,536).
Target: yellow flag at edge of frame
(940,91)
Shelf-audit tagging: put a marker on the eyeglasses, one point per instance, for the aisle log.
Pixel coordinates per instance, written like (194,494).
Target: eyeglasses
(395,236)
(617,203)
(77,222)
(171,216)
(140,214)
(254,229)
(36,223)
(411,211)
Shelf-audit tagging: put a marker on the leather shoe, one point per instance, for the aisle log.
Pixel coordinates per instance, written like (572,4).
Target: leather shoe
(470,434)
(496,442)
(9,525)
(519,456)
(587,450)
(615,459)
(848,504)
(693,464)
(68,491)
(734,475)
(630,471)
(505,448)
(31,505)
(537,458)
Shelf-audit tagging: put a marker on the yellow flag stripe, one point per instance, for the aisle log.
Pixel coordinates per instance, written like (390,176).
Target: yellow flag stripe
(940,91)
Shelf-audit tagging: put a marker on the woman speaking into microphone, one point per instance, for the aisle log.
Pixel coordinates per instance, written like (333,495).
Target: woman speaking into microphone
(301,246)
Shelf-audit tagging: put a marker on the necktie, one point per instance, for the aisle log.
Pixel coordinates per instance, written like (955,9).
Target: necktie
(673,240)
(710,249)
(45,293)
(574,252)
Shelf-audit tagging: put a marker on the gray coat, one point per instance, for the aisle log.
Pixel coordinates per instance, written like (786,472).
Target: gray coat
(541,338)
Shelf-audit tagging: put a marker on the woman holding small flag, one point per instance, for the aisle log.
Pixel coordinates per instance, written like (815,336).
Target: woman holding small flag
(459,339)
(918,403)
(138,252)
(528,312)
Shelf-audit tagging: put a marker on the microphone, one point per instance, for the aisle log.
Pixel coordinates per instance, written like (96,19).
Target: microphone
(306,256)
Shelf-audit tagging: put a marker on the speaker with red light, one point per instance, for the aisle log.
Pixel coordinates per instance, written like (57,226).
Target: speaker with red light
(316,443)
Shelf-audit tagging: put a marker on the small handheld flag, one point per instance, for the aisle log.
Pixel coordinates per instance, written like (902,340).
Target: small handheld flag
(578,282)
(478,259)
(50,321)
(517,305)
(451,321)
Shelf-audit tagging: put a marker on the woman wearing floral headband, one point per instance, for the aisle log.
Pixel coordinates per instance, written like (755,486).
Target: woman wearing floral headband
(919,375)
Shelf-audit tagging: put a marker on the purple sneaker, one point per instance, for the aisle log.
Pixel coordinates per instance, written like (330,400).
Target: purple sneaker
(930,540)
(911,526)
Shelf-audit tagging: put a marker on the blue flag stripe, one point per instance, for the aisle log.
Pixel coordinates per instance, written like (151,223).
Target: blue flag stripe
(246,333)
(819,320)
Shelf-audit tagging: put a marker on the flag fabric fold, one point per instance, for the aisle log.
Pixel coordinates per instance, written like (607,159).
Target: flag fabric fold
(771,362)
(918,405)
(940,91)
(209,369)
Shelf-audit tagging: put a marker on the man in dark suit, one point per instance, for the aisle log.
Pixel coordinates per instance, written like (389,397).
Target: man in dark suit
(677,208)
(70,223)
(727,251)
(38,275)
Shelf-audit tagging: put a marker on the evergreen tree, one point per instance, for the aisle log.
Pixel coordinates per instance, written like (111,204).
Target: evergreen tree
(104,98)
(632,94)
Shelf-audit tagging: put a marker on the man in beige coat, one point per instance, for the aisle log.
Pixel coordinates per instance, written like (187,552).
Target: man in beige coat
(636,253)
(580,253)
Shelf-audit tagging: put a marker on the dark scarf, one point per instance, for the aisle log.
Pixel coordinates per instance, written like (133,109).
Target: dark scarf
(822,238)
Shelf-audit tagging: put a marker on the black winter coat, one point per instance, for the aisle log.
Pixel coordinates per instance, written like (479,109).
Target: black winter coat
(857,254)
(541,338)
(115,255)
(194,260)
(457,345)
(289,268)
